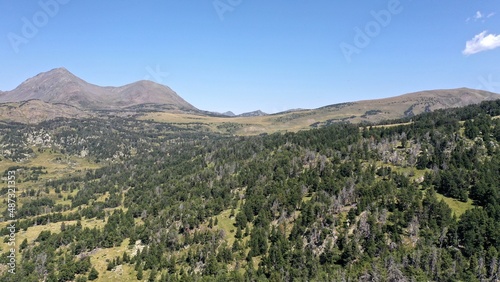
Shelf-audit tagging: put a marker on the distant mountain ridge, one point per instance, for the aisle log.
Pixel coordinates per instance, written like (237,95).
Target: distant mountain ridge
(61,86)
(257,113)
(59,93)
(429,100)
(417,102)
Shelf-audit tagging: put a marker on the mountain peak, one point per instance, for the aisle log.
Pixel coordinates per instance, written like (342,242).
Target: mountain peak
(60,70)
(256,113)
(60,75)
(56,72)
(229,114)
(145,82)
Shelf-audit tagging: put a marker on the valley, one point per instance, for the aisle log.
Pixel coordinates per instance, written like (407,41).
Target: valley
(393,189)
(169,197)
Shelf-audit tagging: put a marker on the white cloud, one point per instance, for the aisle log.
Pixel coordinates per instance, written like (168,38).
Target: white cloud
(478,15)
(481,42)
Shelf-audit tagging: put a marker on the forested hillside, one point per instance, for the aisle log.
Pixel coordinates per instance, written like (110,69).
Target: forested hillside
(409,200)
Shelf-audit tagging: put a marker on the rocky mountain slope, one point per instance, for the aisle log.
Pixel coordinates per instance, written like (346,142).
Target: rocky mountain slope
(61,86)
(419,102)
(35,111)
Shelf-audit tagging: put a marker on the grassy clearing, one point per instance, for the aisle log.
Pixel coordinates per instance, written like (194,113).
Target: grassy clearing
(391,125)
(56,166)
(32,233)
(457,207)
(411,172)
(285,122)
(246,125)
(226,223)
(64,165)
(123,273)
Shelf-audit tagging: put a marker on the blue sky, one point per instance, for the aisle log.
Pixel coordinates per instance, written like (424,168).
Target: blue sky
(244,55)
